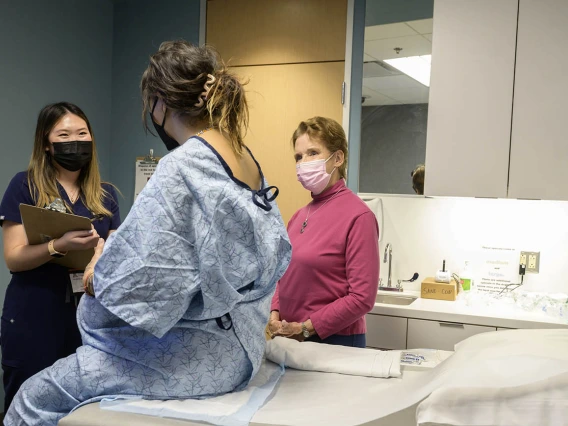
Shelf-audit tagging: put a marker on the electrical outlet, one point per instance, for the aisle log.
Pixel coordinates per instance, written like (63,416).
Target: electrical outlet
(532,261)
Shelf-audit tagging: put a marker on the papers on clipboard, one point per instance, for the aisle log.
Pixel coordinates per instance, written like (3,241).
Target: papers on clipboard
(42,226)
(145,168)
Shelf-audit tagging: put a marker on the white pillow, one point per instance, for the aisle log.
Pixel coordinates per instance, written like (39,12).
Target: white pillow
(541,403)
(503,378)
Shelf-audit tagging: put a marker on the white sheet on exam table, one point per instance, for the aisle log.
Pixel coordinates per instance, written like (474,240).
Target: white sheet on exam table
(330,399)
(238,408)
(325,398)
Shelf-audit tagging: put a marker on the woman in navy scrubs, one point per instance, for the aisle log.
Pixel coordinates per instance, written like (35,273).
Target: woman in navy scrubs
(39,323)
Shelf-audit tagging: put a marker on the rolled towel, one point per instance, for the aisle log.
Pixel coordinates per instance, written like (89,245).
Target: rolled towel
(312,356)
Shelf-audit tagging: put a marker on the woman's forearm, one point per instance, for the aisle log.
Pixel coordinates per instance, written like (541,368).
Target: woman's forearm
(25,257)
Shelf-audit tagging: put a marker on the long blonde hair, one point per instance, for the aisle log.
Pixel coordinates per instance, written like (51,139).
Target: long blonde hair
(178,72)
(42,174)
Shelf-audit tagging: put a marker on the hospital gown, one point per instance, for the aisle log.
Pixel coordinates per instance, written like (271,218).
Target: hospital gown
(183,292)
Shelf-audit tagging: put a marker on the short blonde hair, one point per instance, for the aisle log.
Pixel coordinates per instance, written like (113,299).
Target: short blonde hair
(327,131)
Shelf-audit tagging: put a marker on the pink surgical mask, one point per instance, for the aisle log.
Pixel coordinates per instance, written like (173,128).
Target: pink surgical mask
(313,175)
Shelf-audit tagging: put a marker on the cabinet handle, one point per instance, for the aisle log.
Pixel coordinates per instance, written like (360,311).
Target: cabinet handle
(451,324)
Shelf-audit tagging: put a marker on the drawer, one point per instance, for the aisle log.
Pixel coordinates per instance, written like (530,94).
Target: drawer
(384,332)
(440,335)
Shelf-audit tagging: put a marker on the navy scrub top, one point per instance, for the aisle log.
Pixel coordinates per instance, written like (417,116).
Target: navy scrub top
(18,192)
(38,318)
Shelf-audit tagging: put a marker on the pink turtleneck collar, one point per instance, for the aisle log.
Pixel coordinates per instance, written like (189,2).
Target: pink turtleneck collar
(330,192)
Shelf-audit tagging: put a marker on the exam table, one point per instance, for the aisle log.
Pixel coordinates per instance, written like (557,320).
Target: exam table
(311,396)
(520,369)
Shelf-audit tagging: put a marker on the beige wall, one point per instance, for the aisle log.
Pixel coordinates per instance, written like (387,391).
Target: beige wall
(292,52)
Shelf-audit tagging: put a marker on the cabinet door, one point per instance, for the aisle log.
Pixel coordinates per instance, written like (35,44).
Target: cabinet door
(471,96)
(539,151)
(440,335)
(385,332)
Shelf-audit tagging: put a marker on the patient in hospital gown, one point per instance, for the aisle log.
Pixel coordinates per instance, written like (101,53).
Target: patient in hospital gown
(182,294)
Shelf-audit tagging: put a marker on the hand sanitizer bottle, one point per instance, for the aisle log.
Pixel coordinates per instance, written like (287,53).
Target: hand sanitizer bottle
(466,278)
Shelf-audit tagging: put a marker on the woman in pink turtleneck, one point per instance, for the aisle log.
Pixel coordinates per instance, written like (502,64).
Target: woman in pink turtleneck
(332,280)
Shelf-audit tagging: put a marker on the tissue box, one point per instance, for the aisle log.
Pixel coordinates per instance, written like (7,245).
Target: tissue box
(431,289)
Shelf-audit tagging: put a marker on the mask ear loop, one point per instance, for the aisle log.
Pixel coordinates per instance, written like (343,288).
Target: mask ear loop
(329,158)
(335,168)
(152,112)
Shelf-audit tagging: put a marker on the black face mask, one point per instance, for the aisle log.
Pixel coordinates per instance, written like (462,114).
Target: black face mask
(74,155)
(170,142)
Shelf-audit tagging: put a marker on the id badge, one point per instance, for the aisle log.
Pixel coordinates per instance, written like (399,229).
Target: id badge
(77,282)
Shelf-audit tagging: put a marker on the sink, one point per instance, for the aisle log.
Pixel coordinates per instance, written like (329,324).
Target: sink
(391,299)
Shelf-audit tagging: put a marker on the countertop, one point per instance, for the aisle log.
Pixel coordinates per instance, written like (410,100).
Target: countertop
(459,312)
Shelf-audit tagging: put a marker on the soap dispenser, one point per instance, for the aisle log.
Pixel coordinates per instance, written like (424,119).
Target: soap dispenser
(443,276)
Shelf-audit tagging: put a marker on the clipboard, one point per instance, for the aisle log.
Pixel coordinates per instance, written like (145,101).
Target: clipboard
(42,226)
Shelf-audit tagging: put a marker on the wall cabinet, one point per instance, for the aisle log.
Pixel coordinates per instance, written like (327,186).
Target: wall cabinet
(471,92)
(539,152)
(495,124)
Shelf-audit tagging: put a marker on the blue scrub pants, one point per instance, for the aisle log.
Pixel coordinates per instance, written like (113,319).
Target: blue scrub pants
(38,327)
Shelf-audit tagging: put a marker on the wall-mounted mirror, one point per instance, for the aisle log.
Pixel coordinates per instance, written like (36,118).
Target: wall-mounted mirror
(396,79)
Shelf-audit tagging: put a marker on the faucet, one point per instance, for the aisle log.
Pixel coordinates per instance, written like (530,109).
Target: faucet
(388,255)
(388,251)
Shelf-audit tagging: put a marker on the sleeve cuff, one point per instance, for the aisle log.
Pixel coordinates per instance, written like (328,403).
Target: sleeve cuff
(11,218)
(321,330)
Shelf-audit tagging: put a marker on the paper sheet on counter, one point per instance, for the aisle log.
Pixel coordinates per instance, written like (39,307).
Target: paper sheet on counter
(499,267)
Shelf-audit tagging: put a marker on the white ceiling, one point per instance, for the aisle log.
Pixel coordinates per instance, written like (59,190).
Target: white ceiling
(384,85)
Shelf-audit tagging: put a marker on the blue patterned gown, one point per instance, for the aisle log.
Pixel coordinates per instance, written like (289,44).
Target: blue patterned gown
(183,291)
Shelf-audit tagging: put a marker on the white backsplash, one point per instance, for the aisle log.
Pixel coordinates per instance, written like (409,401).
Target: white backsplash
(424,231)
